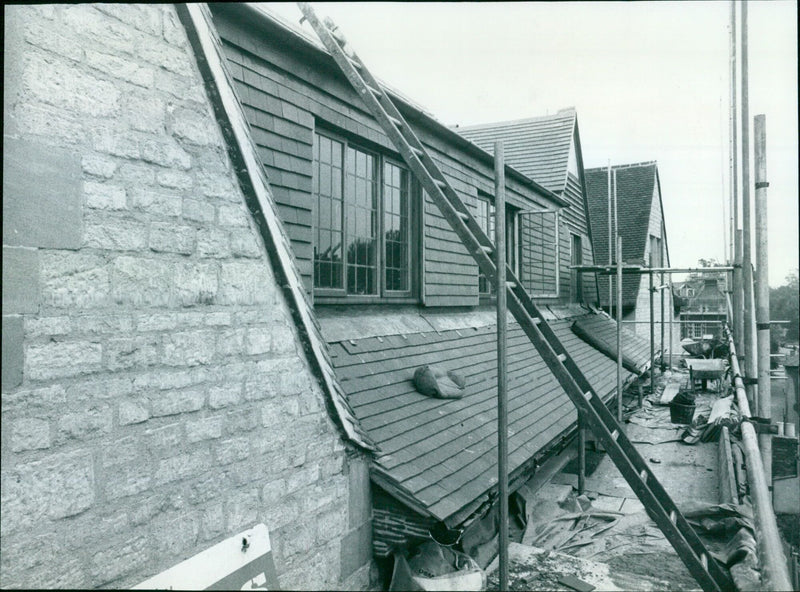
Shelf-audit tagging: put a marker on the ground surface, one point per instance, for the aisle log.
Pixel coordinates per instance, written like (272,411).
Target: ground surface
(608,540)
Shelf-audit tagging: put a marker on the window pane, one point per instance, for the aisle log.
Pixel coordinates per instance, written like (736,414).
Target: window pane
(360,203)
(396,228)
(327,182)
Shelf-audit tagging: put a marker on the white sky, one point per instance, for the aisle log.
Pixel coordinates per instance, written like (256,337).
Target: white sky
(649,82)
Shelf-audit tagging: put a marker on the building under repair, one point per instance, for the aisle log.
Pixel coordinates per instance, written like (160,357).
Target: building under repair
(236,293)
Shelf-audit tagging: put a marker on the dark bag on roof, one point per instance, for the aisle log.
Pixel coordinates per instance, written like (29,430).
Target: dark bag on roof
(434,381)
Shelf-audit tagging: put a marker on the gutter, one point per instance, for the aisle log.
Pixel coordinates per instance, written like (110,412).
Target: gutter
(771,560)
(412,112)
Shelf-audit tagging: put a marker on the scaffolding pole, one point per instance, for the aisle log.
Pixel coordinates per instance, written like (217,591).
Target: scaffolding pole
(610,244)
(661,300)
(652,335)
(619,330)
(762,292)
(502,395)
(734,168)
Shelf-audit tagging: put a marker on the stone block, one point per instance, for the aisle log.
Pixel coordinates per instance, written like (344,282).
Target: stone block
(174,533)
(132,352)
(20,280)
(127,480)
(175,402)
(114,234)
(51,81)
(84,424)
(238,421)
(234,215)
(110,141)
(165,153)
(359,498)
(30,433)
(166,440)
(224,396)
(97,165)
(218,319)
(46,38)
(152,202)
(13,365)
(49,123)
(141,282)
(104,196)
(172,238)
(213,521)
(42,200)
(137,176)
(175,179)
(74,280)
(173,31)
(214,243)
(219,185)
(301,539)
(198,211)
(145,111)
(102,324)
(232,450)
(196,283)
(189,348)
(46,398)
(108,564)
(331,523)
(273,491)
(132,411)
(259,340)
(47,326)
(156,322)
(123,69)
(142,17)
(96,27)
(207,428)
(356,549)
(242,510)
(192,464)
(166,56)
(284,340)
(61,359)
(58,486)
(245,283)
(194,126)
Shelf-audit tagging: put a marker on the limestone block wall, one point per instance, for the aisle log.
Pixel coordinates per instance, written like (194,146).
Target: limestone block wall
(155,399)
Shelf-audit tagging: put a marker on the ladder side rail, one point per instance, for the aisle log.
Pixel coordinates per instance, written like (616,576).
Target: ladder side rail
(675,532)
(576,391)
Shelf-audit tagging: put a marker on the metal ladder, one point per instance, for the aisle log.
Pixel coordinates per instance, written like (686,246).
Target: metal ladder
(655,499)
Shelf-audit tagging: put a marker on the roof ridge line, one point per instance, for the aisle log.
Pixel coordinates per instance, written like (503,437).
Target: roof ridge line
(624,166)
(565,112)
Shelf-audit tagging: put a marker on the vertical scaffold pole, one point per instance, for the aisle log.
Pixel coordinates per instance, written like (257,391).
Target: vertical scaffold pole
(619,330)
(502,395)
(762,285)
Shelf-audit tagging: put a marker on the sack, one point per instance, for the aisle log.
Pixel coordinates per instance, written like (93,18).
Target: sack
(434,381)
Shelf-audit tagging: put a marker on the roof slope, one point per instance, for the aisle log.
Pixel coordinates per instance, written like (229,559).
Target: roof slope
(441,455)
(537,147)
(635,187)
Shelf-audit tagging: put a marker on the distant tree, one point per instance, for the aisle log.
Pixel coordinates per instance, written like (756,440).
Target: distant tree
(784,305)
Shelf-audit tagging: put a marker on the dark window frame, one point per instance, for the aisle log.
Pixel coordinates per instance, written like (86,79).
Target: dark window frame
(327,295)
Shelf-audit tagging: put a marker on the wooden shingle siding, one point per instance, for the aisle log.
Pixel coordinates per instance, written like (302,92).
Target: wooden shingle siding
(575,215)
(288,95)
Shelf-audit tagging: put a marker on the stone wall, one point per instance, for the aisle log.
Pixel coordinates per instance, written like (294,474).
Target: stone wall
(155,397)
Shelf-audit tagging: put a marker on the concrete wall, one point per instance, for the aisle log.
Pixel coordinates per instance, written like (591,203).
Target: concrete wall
(155,397)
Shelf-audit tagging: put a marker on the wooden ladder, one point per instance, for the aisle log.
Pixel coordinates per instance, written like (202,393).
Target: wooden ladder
(656,501)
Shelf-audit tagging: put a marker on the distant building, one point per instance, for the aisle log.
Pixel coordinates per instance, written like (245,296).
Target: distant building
(644,242)
(704,309)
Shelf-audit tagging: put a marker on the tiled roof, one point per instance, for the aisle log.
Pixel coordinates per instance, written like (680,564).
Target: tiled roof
(601,332)
(538,147)
(635,187)
(439,456)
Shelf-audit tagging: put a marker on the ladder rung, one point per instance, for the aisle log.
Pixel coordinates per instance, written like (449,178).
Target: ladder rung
(704,561)
(374,91)
(487,248)
(355,63)
(673,517)
(417,151)
(643,475)
(536,320)
(562,357)
(395,121)
(615,435)
(587,395)
(511,285)
(463,215)
(442,184)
